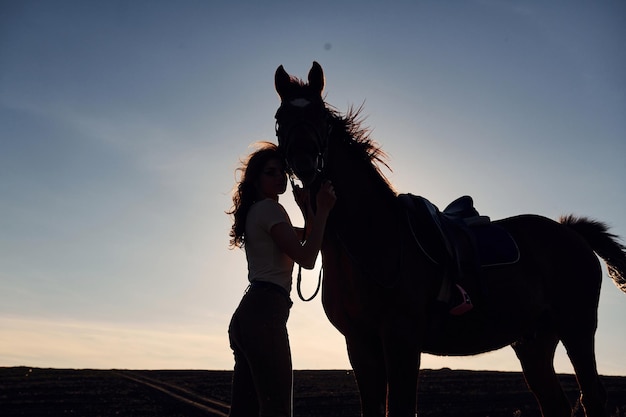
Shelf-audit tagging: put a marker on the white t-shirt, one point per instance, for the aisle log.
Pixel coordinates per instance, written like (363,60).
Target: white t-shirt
(266,262)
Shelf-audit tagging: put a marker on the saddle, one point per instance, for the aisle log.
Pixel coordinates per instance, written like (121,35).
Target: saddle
(460,240)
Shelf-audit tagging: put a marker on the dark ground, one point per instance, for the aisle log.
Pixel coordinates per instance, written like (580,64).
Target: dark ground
(50,392)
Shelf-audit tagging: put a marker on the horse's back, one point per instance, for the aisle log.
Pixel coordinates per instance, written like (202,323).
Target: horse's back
(561,258)
(542,237)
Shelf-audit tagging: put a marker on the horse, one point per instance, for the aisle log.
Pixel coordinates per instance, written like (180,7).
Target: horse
(382,287)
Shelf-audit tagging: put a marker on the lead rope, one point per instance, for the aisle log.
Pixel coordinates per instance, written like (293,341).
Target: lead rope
(299,280)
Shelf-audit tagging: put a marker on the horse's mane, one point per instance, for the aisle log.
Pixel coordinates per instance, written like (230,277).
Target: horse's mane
(358,137)
(350,127)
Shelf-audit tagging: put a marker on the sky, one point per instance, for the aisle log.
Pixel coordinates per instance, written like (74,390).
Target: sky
(122,124)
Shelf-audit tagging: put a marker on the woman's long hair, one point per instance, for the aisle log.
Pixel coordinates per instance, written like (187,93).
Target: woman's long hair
(245,191)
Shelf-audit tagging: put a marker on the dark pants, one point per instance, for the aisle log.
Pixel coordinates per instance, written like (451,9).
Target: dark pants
(263,377)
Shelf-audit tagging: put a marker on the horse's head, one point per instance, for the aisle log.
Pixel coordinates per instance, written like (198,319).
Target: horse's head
(302,123)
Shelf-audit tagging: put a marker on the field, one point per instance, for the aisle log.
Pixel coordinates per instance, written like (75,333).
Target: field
(53,392)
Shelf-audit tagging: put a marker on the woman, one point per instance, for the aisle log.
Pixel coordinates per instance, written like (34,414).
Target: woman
(262,381)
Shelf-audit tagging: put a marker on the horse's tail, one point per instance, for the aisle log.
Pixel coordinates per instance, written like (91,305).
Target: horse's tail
(606,245)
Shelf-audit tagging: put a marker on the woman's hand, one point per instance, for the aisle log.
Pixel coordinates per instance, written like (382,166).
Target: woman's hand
(326,197)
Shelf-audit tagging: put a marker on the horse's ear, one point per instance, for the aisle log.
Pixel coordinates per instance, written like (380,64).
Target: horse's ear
(316,78)
(282,82)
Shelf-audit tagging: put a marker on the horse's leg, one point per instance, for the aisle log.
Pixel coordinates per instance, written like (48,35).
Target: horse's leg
(366,358)
(577,330)
(581,351)
(537,356)
(403,360)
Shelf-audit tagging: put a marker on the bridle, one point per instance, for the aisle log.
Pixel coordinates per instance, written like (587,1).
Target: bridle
(292,118)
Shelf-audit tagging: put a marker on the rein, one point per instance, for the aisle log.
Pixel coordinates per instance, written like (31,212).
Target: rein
(299,280)
(299,285)
(320,165)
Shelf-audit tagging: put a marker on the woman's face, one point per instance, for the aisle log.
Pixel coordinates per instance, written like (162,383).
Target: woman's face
(273,180)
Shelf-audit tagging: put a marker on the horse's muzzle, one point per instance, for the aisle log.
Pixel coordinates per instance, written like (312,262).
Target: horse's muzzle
(304,167)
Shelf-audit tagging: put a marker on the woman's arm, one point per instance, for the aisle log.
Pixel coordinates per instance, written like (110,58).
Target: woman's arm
(305,254)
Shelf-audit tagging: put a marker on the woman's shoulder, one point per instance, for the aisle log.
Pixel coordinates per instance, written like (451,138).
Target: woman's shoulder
(268,212)
(266,205)
(267,202)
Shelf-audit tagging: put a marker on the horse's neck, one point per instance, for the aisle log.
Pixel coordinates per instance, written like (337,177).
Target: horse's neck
(365,221)
(363,196)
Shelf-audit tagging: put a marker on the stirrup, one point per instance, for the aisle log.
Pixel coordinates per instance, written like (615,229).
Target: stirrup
(465,306)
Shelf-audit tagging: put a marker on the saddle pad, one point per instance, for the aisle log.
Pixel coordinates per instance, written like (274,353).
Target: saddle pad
(495,245)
